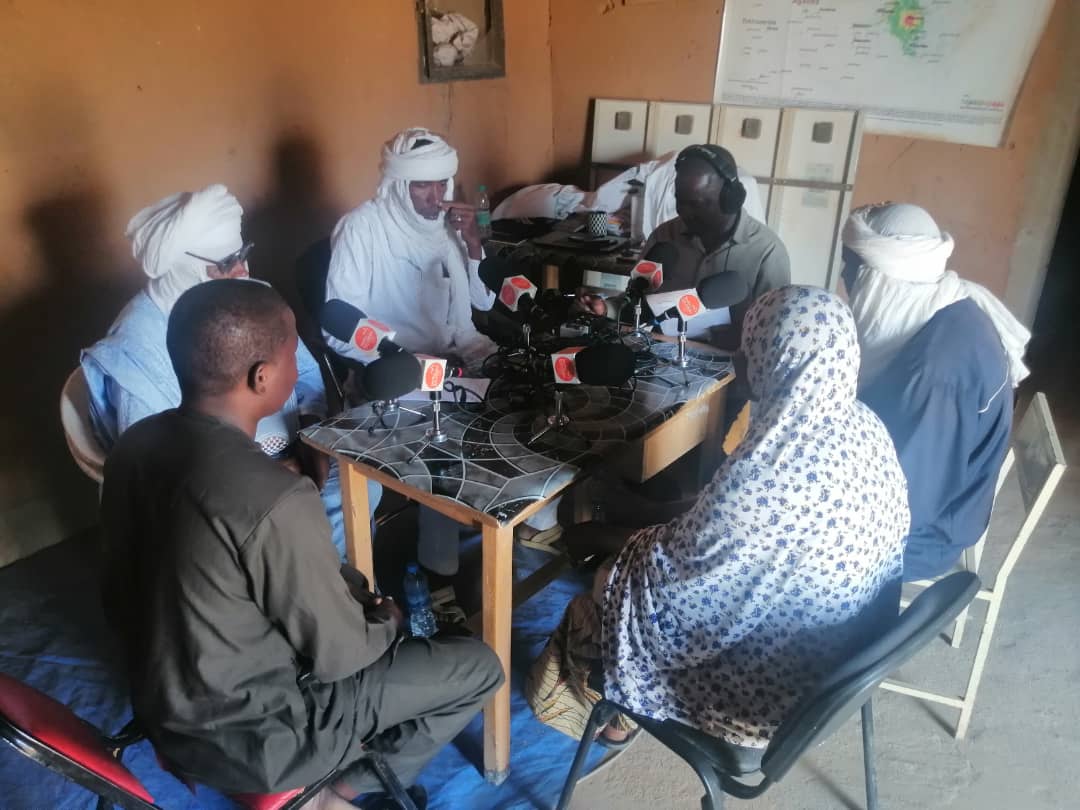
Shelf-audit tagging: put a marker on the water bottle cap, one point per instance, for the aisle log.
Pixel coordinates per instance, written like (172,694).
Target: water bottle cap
(412,568)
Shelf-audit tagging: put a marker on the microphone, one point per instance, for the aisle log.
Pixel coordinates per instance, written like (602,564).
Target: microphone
(390,376)
(717,291)
(607,364)
(434,371)
(684,304)
(518,294)
(493,270)
(648,274)
(367,337)
(721,290)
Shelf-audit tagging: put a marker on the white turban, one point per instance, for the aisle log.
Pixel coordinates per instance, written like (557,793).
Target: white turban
(437,160)
(903,282)
(205,222)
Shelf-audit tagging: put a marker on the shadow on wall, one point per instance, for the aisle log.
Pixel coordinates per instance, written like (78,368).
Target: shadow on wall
(42,334)
(295,214)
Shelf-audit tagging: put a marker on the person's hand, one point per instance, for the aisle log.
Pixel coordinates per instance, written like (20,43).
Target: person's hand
(593,304)
(313,464)
(462,218)
(385,609)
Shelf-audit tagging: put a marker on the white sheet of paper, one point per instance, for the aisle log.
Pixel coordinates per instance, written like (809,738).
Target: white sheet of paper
(698,326)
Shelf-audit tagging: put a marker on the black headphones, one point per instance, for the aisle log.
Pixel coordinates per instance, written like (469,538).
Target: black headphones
(733,194)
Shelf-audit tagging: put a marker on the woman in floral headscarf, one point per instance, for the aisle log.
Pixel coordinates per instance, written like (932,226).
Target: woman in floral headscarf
(722,618)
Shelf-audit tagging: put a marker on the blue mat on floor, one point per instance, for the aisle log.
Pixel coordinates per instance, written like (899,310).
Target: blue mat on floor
(54,637)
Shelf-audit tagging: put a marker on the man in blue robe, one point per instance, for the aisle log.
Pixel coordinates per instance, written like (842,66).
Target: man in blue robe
(181,241)
(940,359)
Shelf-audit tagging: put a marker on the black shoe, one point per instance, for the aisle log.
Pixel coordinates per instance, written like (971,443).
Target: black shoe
(383,801)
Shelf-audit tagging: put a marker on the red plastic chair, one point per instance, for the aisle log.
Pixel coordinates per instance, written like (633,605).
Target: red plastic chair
(52,735)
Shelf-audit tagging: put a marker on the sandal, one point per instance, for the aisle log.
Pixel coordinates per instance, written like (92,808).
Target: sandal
(547,541)
(616,745)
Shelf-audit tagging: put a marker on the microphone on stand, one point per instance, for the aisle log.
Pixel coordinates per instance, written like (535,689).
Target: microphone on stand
(606,364)
(383,370)
(390,377)
(366,337)
(720,290)
(518,295)
(648,276)
(433,373)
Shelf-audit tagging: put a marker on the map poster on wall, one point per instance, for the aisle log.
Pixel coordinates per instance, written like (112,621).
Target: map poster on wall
(942,69)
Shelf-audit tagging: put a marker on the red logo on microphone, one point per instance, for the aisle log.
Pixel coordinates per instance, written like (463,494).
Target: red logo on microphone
(689,306)
(434,376)
(507,295)
(564,369)
(521,282)
(365,338)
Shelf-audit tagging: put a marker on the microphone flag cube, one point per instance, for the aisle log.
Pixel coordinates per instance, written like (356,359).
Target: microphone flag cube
(432,372)
(368,335)
(564,365)
(513,288)
(686,303)
(653,272)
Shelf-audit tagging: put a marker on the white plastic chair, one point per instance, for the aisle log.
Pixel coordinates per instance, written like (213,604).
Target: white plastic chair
(1039,463)
(79,432)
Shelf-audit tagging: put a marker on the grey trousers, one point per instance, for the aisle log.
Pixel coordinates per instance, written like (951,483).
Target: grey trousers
(417,698)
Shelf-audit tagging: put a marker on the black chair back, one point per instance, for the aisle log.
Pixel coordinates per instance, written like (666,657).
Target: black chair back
(844,691)
(311,270)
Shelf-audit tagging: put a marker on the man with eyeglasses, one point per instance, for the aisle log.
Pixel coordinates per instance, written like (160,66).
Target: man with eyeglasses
(181,241)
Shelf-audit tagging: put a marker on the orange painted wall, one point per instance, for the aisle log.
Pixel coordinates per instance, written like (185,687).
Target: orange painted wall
(976,193)
(661,51)
(108,105)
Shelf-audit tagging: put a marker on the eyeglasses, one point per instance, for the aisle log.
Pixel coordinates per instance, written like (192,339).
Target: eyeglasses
(229,262)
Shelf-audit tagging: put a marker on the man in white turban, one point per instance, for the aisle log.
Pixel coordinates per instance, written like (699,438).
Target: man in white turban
(409,257)
(181,241)
(940,358)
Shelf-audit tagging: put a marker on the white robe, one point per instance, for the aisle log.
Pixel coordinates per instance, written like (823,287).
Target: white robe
(427,298)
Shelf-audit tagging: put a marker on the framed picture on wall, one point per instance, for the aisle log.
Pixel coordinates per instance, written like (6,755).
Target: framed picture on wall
(460,39)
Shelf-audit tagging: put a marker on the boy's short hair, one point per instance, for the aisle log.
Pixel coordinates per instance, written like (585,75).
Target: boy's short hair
(219,330)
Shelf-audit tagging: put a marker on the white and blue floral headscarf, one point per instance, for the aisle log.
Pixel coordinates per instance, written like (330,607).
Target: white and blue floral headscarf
(723,618)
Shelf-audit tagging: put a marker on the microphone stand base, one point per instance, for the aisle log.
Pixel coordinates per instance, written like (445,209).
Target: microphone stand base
(431,438)
(385,408)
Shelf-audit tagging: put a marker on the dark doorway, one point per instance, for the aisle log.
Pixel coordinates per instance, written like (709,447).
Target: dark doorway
(1054,351)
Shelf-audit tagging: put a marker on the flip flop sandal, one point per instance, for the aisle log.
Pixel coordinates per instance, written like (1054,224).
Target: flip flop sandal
(547,541)
(613,745)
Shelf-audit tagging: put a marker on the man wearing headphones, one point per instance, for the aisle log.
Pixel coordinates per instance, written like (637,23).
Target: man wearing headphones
(712,234)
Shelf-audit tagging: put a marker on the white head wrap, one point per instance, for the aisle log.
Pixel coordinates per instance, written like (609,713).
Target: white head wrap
(205,222)
(422,238)
(903,282)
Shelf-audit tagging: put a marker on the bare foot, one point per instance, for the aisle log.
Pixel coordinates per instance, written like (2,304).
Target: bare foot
(327,799)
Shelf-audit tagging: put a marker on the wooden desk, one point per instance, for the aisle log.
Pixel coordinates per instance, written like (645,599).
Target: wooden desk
(485,476)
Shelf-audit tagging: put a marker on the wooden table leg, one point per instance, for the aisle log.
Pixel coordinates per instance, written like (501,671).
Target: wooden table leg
(550,277)
(498,549)
(354,504)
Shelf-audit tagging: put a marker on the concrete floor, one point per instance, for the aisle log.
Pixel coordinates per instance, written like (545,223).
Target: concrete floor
(1024,740)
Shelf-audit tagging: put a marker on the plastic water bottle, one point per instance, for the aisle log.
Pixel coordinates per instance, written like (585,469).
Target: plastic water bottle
(483,212)
(418,600)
